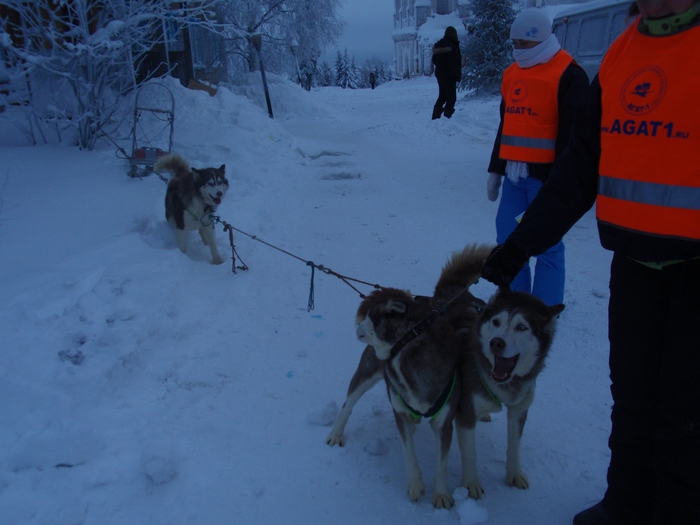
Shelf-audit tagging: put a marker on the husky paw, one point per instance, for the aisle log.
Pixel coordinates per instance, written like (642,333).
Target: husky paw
(475,489)
(415,489)
(518,480)
(217,260)
(334,439)
(486,418)
(443,501)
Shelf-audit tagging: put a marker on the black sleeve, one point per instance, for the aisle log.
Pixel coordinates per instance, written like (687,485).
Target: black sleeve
(573,85)
(498,165)
(572,186)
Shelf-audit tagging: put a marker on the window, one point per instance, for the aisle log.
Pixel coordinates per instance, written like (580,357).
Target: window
(571,37)
(619,24)
(559,32)
(593,35)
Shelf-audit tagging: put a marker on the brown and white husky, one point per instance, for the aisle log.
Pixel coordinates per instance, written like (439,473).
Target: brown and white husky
(453,359)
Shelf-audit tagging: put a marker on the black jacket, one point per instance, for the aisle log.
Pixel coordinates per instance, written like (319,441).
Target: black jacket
(572,88)
(448,60)
(572,190)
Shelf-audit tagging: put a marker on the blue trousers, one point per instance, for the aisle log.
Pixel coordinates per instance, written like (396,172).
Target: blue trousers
(549,277)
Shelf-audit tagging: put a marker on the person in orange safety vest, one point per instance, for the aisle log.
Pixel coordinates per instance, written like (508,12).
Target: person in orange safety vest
(635,153)
(539,93)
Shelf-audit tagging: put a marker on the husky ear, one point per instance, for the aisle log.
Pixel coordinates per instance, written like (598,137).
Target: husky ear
(195,172)
(222,169)
(555,310)
(504,289)
(395,306)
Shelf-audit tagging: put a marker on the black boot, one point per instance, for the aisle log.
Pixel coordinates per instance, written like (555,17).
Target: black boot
(595,515)
(437,111)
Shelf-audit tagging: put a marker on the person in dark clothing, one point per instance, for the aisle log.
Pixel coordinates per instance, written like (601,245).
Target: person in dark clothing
(547,82)
(372,79)
(635,153)
(448,71)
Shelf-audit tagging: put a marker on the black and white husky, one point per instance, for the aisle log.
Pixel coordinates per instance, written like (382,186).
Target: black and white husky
(452,359)
(191,200)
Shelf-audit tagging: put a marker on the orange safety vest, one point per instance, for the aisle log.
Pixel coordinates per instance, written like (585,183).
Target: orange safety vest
(531,120)
(650,135)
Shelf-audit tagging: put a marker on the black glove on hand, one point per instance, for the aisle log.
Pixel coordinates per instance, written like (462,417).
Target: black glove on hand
(503,263)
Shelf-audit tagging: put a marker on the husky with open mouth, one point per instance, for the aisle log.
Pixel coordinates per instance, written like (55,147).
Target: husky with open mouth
(192,197)
(508,347)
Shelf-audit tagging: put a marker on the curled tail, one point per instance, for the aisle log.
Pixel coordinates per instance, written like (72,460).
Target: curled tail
(464,268)
(174,164)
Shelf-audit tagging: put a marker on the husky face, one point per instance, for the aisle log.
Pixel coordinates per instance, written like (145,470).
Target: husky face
(384,317)
(515,332)
(212,184)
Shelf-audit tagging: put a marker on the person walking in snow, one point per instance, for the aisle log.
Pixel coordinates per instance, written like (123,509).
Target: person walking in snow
(448,71)
(635,153)
(540,92)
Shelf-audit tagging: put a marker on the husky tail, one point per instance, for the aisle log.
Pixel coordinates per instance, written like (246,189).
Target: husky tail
(173,164)
(464,268)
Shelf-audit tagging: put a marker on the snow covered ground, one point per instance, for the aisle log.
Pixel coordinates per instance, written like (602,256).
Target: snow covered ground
(139,385)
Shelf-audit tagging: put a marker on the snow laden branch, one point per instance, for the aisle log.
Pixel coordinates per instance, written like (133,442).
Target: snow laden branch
(72,63)
(313,24)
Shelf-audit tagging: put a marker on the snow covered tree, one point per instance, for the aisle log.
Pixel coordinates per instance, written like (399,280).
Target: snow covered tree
(324,75)
(341,70)
(314,24)
(74,61)
(346,73)
(381,70)
(354,79)
(487,51)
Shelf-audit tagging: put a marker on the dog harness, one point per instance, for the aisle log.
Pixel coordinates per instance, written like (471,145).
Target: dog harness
(434,411)
(209,215)
(416,330)
(488,391)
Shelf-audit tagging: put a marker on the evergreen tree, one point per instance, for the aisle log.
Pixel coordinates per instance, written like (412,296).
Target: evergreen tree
(340,71)
(488,50)
(345,71)
(354,81)
(324,75)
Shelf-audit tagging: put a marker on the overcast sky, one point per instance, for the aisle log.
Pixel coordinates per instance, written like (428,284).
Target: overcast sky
(368,31)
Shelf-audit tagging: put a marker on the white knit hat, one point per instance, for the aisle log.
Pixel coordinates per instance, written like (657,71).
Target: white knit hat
(531,24)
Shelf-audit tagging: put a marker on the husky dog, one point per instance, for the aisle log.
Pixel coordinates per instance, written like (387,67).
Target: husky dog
(418,347)
(371,368)
(191,199)
(507,349)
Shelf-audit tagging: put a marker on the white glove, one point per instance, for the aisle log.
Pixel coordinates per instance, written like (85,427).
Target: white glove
(493,185)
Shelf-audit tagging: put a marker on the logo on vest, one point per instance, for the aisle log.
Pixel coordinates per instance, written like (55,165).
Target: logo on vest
(644,90)
(518,92)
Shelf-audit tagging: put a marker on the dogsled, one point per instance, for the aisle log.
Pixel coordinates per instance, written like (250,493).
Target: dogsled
(152,132)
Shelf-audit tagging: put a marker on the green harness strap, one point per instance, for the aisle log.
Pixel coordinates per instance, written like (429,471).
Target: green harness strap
(435,410)
(489,392)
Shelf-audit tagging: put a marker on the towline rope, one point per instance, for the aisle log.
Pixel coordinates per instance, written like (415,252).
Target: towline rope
(230,229)
(313,265)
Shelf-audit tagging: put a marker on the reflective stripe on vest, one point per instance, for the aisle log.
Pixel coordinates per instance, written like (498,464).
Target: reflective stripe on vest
(531,120)
(650,135)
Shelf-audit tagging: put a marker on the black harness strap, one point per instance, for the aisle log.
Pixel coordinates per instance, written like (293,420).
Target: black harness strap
(422,326)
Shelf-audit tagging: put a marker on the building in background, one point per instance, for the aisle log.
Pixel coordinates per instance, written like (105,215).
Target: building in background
(418,24)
